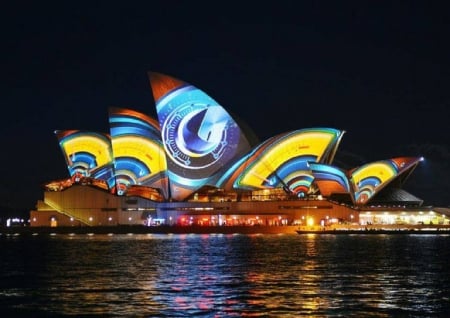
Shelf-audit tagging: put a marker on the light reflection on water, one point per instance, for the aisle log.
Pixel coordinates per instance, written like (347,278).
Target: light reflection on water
(226,275)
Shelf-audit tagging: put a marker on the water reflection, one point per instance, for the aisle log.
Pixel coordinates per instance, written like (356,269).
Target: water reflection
(226,275)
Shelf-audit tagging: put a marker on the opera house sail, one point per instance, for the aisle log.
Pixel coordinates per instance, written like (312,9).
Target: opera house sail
(199,136)
(87,154)
(283,161)
(139,158)
(194,164)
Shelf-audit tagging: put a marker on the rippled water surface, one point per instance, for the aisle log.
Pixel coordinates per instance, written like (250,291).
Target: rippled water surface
(225,275)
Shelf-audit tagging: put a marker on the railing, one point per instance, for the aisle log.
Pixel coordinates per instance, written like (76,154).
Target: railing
(70,214)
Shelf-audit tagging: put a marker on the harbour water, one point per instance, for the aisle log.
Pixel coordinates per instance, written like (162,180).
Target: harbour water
(225,275)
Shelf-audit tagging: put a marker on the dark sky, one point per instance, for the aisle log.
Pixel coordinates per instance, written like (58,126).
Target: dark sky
(378,70)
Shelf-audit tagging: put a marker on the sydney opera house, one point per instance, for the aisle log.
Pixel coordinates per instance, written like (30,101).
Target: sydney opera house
(196,165)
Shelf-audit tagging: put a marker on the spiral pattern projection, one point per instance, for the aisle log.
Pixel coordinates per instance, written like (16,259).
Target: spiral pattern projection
(284,160)
(139,157)
(87,154)
(370,178)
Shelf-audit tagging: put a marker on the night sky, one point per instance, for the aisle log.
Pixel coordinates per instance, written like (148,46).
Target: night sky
(378,70)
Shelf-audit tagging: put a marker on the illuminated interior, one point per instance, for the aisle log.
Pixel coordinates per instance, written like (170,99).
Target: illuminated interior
(403,218)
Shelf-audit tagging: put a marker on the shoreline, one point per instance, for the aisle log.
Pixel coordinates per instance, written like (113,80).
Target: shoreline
(161,229)
(238,229)
(377,231)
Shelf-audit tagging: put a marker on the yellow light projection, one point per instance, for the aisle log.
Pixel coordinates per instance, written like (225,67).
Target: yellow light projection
(368,179)
(88,144)
(148,152)
(380,170)
(302,143)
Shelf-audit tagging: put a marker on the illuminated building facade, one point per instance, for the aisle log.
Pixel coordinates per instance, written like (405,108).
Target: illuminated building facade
(195,165)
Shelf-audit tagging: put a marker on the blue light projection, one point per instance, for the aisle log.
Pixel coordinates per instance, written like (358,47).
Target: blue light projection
(200,138)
